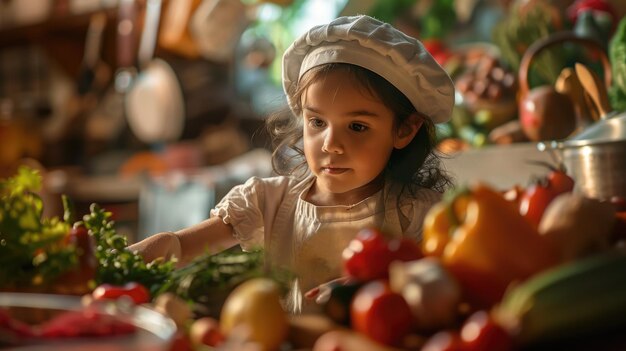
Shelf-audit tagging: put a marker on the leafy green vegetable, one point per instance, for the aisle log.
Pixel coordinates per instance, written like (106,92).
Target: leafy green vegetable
(437,20)
(116,264)
(32,252)
(515,33)
(209,278)
(617,56)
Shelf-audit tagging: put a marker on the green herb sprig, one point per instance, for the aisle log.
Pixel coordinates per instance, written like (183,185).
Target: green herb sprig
(116,264)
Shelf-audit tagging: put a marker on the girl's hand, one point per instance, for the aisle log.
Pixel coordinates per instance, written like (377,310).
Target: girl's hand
(321,293)
(161,245)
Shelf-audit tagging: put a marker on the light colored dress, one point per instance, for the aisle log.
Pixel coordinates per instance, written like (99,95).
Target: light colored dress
(306,239)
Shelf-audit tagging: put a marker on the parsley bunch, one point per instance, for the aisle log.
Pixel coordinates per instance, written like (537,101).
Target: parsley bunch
(116,264)
(32,251)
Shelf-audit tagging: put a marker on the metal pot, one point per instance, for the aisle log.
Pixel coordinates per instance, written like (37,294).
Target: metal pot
(596,157)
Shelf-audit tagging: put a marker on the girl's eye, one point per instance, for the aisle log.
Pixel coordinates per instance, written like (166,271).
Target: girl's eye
(316,122)
(358,127)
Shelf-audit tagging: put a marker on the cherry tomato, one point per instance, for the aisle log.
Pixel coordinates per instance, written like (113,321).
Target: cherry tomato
(381,314)
(538,195)
(137,292)
(444,341)
(405,249)
(369,254)
(560,182)
(481,332)
(534,202)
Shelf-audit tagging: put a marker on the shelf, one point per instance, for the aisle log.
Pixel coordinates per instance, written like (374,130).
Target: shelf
(62,38)
(17,34)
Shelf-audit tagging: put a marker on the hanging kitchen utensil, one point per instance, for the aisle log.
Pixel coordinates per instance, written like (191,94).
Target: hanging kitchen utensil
(106,123)
(217,26)
(174,35)
(87,77)
(593,86)
(155,106)
(569,84)
(596,157)
(126,45)
(544,113)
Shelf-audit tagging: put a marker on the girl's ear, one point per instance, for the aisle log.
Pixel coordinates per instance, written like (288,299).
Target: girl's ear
(407,131)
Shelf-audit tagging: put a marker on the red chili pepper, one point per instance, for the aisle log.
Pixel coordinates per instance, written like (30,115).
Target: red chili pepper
(137,292)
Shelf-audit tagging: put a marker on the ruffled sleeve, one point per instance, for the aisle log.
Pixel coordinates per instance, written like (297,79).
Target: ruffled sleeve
(250,207)
(241,208)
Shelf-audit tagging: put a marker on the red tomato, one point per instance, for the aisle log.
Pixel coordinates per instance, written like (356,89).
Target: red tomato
(560,182)
(381,314)
(538,195)
(137,292)
(405,249)
(369,254)
(534,202)
(480,332)
(444,341)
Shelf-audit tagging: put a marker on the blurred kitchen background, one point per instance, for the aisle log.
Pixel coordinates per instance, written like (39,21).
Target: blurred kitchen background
(154,109)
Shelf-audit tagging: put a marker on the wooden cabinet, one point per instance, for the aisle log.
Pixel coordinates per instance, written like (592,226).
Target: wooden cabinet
(63,37)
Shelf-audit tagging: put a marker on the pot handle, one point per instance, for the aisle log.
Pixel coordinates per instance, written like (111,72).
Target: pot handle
(556,38)
(553,147)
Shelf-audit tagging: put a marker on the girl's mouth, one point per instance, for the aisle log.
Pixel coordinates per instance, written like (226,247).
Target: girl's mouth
(334,170)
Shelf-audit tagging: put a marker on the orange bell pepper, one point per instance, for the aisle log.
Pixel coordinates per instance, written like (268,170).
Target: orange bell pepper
(485,242)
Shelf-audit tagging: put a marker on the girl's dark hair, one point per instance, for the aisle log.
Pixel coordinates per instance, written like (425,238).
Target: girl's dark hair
(417,165)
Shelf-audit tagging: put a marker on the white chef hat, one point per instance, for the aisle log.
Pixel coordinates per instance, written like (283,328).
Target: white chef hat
(379,47)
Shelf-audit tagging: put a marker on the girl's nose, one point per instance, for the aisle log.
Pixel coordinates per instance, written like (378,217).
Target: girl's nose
(332,144)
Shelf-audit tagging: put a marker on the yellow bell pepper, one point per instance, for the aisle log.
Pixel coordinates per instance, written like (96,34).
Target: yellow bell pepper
(484,241)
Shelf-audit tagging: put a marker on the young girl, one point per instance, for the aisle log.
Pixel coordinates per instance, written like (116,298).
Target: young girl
(356,152)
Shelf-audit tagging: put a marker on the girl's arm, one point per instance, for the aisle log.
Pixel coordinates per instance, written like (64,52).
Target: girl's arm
(211,235)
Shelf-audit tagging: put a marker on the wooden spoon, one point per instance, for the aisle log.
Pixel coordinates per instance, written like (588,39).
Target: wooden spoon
(568,83)
(594,87)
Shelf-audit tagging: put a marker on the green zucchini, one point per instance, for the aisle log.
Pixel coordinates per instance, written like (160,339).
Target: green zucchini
(580,299)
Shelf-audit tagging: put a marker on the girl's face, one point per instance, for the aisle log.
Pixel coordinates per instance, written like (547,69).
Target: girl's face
(348,138)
